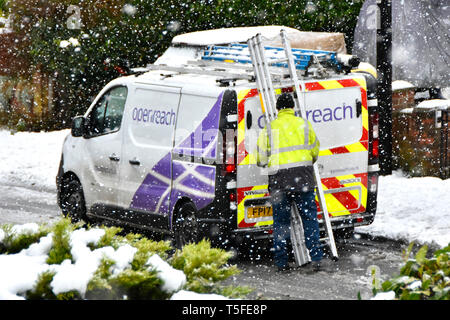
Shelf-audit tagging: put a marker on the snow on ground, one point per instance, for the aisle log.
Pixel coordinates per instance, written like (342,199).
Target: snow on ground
(412,209)
(30,158)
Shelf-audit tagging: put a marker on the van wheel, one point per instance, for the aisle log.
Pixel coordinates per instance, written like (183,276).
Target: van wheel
(73,204)
(186,229)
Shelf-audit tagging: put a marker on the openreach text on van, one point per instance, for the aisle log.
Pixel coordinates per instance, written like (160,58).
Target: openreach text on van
(318,115)
(154,116)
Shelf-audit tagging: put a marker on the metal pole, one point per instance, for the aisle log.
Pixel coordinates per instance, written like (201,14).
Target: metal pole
(384,89)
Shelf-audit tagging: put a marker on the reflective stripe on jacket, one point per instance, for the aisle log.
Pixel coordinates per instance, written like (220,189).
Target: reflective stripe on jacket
(294,142)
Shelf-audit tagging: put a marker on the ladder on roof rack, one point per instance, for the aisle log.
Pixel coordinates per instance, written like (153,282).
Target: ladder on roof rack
(303,58)
(267,95)
(216,60)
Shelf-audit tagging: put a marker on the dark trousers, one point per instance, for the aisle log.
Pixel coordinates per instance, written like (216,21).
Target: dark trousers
(281,203)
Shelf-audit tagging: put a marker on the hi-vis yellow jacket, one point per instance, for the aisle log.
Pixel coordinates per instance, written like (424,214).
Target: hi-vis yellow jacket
(294,142)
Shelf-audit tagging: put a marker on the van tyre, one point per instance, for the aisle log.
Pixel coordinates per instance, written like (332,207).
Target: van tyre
(73,204)
(186,227)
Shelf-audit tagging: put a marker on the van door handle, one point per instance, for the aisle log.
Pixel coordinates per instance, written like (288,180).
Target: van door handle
(358,108)
(135,162)
(113,157)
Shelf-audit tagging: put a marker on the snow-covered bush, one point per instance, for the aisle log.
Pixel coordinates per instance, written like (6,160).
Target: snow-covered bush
(67,261)
(420,278)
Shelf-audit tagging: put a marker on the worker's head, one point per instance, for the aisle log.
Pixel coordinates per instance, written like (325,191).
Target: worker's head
(284,101)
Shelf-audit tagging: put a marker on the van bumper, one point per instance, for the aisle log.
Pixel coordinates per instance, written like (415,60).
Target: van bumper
(220,232)
(244,236)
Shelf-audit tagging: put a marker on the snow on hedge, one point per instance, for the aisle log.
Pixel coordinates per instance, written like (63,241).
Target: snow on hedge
(19,272)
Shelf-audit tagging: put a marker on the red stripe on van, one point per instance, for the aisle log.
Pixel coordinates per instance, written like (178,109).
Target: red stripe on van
(348,83)
(241,104)
(344,197)
(365,135)
(244,224)
(310,86)
(240,198)
(242,153)
(339,150)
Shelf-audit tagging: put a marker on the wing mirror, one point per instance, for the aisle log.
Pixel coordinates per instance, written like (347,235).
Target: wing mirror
(78,126)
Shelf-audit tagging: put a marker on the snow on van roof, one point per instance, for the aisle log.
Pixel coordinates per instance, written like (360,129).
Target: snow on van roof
(189,46)
(228,35)
(328,41)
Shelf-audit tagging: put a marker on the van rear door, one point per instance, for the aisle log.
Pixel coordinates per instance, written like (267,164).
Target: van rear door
(337,110)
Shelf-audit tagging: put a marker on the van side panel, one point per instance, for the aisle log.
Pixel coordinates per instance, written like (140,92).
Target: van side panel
(193,177)
(197,128)
(146,165)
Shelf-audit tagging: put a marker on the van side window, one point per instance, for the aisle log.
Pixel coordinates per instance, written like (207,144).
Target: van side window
(114,111)
(106,116)
(96,117)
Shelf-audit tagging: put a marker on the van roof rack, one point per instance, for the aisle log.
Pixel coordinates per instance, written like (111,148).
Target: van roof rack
(233,62)
(303,58)
(195,67)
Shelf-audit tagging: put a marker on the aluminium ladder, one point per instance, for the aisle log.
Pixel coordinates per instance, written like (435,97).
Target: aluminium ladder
(268,102)
(303,58)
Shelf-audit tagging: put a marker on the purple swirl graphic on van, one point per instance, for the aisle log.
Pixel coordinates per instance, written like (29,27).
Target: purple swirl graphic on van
(170,180)
(203,141)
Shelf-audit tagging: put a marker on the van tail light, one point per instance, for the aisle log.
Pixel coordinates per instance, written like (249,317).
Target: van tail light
(373,136)
(375,148)
(229,168)
(230,153)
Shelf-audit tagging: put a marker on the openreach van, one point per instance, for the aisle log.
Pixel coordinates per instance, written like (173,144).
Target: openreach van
(172,148)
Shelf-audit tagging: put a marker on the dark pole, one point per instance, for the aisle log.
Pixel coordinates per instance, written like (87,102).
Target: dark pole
(384,89)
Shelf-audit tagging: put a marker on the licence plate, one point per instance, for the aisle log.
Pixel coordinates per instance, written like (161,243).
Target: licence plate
(259,212)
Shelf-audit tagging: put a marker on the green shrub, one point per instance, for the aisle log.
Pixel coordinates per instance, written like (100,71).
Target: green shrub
(204,267)
(422,278)
(14,242)
(146,248)
(139,284)
(42,289)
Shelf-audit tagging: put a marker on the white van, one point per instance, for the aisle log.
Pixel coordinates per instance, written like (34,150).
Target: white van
(173,150)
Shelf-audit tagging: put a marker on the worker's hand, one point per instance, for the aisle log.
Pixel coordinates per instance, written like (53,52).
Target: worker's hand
(261,165)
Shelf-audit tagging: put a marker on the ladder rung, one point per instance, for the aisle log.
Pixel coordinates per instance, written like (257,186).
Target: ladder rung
(278,61)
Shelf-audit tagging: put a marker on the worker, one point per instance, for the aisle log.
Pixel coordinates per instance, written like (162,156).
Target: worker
(289,152)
